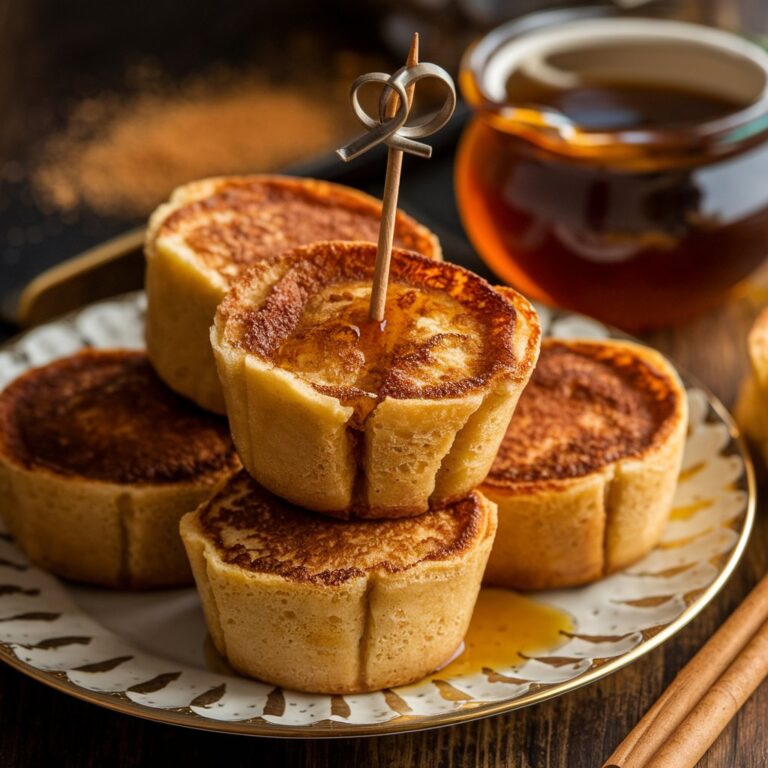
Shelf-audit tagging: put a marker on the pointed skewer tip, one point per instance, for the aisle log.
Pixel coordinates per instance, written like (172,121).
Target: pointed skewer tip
(413,53)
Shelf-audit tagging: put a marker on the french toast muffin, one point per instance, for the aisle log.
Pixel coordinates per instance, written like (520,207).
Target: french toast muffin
(332,606)
(751,414)
(585,476)
(757,346)
(98,462)
(211,230)
(353,418)
(751,410)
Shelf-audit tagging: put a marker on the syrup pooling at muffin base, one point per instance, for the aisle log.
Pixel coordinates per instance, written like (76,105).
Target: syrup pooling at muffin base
(425,340)
(504,626)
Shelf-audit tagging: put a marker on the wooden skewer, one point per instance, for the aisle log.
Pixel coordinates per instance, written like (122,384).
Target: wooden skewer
(697,705)
(389,204)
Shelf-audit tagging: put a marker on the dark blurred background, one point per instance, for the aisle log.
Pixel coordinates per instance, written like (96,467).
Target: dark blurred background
(107,106)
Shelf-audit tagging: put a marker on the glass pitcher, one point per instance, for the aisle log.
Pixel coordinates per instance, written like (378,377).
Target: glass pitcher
(639,213)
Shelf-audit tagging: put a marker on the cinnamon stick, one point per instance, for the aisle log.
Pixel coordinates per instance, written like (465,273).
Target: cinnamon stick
(693,682)
(704,724)
(389,204)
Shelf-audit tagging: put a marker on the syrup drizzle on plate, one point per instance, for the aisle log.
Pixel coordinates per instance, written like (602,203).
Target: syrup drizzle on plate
(505,625)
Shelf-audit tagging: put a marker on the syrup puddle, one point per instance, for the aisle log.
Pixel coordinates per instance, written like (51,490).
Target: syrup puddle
(692,471)
(504,626)
(689,510)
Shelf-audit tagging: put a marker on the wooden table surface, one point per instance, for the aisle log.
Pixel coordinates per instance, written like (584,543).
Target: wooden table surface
(41,727)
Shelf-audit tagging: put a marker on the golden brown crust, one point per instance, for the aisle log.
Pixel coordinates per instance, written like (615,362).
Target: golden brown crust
(588,405)
(393,360)
(106,416)
(259,532)
(246,219)
(757,346)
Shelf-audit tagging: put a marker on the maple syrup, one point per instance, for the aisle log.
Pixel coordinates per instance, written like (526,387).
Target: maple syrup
(617,167)
(337,345)
(596,104)
(505,628)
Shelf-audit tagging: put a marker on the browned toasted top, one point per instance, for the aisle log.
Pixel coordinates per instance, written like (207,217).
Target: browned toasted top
(105,415)
(260,532)
(244,219)
(446,332)
(587,405)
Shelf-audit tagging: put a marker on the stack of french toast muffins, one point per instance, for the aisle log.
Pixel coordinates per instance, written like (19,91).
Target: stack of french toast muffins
(337,488)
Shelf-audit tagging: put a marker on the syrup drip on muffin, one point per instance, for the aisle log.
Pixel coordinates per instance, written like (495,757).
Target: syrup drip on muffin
(336,344)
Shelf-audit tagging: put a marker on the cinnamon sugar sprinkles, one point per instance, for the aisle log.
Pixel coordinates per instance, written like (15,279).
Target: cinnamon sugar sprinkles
(122,157)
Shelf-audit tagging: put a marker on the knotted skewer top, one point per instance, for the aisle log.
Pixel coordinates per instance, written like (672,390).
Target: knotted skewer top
(391,128)
(393,131)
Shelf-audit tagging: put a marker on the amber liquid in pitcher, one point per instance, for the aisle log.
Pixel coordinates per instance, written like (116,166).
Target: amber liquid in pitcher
(605,105)
(638,244)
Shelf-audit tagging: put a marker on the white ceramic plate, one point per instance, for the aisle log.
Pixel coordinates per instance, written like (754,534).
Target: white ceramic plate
(147,654)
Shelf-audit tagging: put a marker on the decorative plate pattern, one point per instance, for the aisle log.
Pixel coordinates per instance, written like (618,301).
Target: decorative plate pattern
(147,654)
